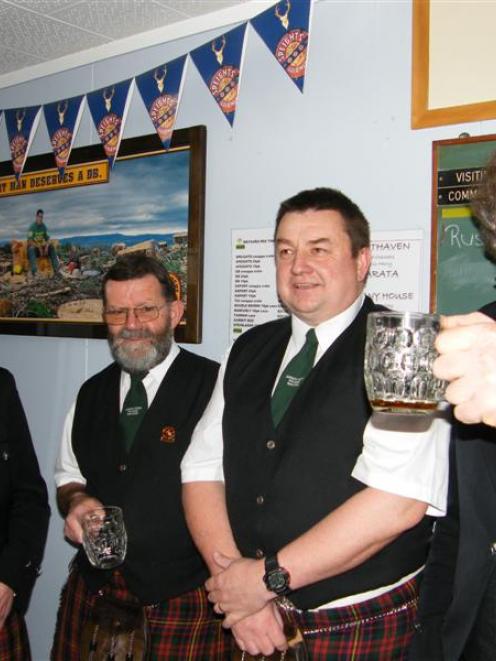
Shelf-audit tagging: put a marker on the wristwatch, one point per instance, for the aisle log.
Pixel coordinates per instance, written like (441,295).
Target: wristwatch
(276,578)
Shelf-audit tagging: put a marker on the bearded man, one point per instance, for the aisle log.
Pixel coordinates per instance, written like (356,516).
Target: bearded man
(122,444)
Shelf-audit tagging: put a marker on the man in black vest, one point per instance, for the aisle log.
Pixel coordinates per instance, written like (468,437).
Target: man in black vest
(122,445)
(289,489)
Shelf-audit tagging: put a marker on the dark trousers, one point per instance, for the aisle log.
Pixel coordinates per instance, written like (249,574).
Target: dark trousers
(481,645)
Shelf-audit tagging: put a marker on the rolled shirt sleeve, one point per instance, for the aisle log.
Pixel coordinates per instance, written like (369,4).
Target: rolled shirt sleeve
(407,456)
(203,461)
(66,465)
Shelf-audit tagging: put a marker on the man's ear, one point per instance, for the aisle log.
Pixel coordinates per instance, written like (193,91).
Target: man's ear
(176,312)
(363,261)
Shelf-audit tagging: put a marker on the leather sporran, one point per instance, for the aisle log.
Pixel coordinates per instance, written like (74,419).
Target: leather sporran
(297,649)
(115,631)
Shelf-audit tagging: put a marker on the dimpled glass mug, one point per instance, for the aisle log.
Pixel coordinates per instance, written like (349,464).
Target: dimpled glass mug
(104,537)
(399,353)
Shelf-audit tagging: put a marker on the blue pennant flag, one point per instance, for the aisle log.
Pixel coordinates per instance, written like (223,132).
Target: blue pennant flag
(62,120)
(160,89)
(21,127)
(219,64)
(109,106)
(284,28)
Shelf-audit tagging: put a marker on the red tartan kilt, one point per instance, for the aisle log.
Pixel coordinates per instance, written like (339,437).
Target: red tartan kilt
(181,628)
(378,629)
(14,643)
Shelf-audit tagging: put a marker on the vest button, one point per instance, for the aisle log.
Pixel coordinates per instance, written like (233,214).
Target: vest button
(260,500)
(259,554)
(122,468)
(270,445)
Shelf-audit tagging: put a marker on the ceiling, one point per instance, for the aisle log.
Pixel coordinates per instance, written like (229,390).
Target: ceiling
(36,33)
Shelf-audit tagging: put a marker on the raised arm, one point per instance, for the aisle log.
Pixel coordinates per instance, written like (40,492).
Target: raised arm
(397,496)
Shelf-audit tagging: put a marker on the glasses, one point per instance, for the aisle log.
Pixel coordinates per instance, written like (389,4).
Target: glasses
(143,313)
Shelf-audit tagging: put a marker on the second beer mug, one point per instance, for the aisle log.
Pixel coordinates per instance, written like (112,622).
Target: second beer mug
(104,537)
(399,353)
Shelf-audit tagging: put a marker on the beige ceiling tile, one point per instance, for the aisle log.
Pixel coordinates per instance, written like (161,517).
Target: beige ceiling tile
(44,6)
(198,7)
(42,36)
(11,60)
(120,18)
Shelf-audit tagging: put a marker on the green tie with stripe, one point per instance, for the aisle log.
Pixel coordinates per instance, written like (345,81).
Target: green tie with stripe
(133,410)
(293,376)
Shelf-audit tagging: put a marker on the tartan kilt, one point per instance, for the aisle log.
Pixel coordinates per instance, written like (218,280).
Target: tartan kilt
(14,642)
(181,628)
(378,629)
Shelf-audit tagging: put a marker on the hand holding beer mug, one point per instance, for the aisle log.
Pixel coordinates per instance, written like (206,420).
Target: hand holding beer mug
(104,537)
(399,353)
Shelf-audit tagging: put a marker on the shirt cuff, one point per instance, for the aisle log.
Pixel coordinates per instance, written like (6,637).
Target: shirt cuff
(401,457)
(202,472)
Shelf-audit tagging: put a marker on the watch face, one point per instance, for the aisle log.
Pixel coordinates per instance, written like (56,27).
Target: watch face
(277,580)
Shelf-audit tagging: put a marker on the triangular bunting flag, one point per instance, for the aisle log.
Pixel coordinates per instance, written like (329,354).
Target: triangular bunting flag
(109,106)
(284,28)
(219,64)
(62,120)
(21,127)
(160,89)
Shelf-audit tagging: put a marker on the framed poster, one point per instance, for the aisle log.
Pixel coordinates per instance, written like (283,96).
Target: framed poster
(462,277)
(452,62)
(152,202)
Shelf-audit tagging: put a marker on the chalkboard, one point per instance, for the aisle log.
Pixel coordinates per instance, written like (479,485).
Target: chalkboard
(462,277)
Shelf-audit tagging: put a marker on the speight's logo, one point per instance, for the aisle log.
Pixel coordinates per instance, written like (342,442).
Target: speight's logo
(162,113)
(224,87)
(291,52)
(18,147)
(108,130)
(61,142)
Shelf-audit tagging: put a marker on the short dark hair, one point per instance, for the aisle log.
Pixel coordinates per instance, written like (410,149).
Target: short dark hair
(321,199)
(40,211)
(129,267)
(484,208)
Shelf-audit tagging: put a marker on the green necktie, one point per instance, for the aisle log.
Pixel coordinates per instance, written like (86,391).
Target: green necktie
(133,410)
(293,376)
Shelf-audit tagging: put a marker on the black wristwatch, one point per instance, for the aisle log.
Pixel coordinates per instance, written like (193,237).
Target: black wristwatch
(276,578)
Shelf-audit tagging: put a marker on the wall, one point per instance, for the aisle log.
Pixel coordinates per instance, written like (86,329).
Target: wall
(351,130)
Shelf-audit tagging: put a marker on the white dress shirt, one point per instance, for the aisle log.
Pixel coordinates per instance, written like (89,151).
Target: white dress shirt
(66,466)
(404,455)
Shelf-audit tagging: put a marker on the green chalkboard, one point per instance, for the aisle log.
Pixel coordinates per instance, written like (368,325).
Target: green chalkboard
(462,277)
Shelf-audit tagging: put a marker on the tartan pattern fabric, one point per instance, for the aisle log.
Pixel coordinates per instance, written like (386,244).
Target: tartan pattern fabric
(378,629)
(180,629)
(14,643)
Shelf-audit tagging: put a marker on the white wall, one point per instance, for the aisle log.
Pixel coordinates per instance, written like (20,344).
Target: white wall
(350,129)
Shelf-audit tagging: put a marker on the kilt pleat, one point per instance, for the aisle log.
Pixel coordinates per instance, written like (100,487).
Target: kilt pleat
(14,642)
(378,629)
(179,629)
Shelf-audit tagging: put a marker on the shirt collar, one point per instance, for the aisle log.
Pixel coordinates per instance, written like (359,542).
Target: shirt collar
(328,331)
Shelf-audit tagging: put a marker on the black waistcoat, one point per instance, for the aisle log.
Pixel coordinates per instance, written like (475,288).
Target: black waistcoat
(162,561)
(281,482)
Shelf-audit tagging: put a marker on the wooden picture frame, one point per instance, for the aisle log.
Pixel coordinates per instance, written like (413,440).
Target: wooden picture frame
(462,37)
(463,278)
(142,165)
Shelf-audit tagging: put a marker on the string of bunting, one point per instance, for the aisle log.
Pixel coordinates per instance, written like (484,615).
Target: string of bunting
(284,28)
